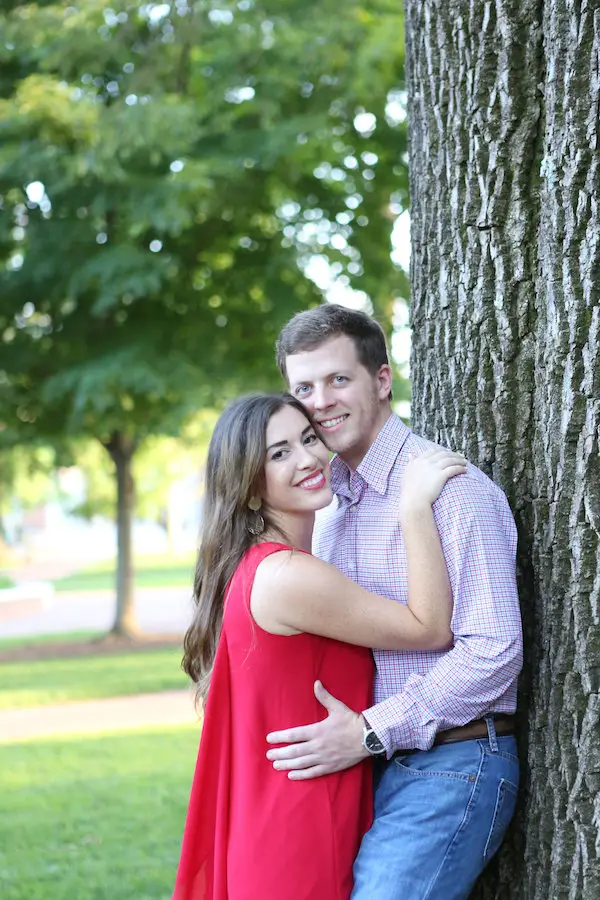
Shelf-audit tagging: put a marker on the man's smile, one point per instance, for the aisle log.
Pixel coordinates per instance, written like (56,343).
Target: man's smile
(327,424)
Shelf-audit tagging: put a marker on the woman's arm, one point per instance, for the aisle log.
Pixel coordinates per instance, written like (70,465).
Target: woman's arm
(294,592)
(429,591)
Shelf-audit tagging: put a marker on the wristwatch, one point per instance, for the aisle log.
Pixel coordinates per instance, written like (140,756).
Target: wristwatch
(371,742)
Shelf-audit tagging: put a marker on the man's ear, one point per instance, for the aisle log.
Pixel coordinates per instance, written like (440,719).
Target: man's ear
(384,379)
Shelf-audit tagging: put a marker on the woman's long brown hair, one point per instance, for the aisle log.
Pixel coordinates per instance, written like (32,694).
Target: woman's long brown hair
(234,474)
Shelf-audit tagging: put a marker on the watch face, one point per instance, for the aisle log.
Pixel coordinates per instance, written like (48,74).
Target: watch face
(373,744)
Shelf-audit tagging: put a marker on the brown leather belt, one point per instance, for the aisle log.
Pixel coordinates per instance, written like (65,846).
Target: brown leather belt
(503,725)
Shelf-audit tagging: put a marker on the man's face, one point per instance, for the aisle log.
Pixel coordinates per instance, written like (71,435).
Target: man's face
(348,404)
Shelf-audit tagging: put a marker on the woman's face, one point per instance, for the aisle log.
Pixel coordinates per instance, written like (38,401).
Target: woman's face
(296,465)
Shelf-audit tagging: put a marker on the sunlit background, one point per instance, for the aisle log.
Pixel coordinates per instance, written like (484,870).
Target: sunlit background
(176,180)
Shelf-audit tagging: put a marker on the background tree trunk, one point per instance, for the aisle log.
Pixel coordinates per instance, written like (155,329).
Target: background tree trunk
(121,449)
(503,118)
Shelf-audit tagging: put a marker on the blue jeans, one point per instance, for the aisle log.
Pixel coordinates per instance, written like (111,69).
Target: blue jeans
(440,815)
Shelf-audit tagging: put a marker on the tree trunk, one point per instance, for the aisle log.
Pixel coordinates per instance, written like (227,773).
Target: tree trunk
(121,449)
(503,122)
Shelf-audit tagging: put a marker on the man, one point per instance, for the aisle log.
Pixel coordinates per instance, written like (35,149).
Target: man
(441,726)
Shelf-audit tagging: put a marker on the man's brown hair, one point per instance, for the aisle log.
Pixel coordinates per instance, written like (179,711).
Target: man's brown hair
(310,329)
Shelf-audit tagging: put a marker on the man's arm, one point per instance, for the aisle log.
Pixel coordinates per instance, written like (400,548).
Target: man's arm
(479,539)
(479,542)
(461,687)
(406,720)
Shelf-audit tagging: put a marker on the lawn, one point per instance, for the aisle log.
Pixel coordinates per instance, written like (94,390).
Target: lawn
(45,681)
(60,638)
(163,570)
(94,818)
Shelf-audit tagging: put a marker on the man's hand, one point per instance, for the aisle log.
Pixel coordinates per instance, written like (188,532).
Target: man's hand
(324,747)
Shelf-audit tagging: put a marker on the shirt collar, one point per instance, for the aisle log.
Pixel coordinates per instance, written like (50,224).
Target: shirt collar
(378,462)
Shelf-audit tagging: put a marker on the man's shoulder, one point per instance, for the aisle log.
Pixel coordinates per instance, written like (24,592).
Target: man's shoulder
(470,493)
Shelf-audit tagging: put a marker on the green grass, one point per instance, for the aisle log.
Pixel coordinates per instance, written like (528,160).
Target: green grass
(5,582)
(94,818)
(149,571)
(43,682)
(63,638)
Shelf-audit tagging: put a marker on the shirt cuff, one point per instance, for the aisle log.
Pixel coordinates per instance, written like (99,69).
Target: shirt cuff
(401,725)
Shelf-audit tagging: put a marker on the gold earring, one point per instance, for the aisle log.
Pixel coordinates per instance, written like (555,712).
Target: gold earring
(258,526)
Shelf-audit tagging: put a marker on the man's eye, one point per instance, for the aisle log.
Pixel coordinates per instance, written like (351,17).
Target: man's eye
(301,389)
(339,379)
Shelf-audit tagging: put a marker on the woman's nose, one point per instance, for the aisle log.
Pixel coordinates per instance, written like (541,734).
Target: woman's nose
(307,457)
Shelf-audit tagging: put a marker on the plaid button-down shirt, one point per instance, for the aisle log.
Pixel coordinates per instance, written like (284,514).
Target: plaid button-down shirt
(418,693)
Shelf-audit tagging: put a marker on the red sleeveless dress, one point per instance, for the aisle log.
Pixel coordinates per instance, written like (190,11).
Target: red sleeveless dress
(251,833)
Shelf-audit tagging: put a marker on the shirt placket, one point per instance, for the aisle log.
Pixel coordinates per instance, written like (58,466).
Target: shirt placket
(357,486)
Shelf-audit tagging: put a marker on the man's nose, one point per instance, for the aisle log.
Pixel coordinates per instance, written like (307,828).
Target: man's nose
(322,398)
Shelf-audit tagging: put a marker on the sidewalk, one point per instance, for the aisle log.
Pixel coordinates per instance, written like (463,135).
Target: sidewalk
(158,610)
(92,716)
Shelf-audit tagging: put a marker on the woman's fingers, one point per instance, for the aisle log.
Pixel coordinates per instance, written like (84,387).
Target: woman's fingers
(439,459)
(426,475)
(451,461)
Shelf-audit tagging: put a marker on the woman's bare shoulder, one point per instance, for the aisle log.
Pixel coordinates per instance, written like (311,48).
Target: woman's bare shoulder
(275,587)
(286,566)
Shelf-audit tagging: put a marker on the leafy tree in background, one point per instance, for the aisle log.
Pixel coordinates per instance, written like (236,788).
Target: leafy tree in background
(159,464)
(27,473)
(169,175)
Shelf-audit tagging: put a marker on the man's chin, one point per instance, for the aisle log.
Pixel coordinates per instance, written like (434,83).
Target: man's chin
(332,445)
(324,438)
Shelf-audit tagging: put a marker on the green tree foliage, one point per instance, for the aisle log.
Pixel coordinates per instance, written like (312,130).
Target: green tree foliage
(29,474)
(167,174)
(160,462)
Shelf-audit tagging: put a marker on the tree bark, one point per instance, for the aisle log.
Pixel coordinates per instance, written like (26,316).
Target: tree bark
(503,123)
(121,449)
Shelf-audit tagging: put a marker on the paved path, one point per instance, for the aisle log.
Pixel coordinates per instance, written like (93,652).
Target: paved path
(90,716)
(159,611)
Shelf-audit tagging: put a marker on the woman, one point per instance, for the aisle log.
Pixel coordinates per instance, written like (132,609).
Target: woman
(270,620)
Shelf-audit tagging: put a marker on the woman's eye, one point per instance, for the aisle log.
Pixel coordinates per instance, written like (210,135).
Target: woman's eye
(310,439)
(277,455)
